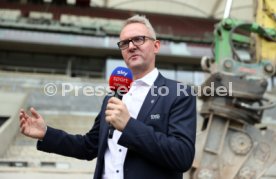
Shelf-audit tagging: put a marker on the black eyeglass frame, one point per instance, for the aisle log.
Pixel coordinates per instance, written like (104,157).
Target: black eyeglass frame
(126,42)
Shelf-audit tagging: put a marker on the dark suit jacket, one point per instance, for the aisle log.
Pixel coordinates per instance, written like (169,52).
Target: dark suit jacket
(160,142)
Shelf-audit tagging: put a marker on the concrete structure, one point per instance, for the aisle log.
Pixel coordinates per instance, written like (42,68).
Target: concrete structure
(10,104)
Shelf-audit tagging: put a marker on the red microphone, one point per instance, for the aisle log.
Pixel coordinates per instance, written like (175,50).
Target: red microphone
(119,82)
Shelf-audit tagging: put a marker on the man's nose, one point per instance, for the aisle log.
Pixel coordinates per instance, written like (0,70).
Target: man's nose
(131,45)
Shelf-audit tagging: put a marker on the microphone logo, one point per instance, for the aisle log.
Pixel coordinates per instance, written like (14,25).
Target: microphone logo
(120,80)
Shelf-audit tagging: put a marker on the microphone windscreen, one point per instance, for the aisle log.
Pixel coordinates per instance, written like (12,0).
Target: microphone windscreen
(120,79)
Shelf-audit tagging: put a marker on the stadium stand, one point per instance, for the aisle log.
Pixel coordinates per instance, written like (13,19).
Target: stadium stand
(73,112)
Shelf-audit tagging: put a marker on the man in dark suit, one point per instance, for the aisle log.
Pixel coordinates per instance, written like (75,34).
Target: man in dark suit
(155,122)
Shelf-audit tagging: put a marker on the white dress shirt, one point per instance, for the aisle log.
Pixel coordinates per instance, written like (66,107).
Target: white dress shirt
(115,154)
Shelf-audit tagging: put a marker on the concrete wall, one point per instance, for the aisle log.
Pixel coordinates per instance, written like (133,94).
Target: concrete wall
(10,104)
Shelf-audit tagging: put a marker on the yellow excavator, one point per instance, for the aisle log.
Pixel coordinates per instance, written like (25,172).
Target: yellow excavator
(230,144)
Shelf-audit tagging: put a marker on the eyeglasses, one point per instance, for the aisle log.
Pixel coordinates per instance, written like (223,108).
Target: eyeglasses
(137,41)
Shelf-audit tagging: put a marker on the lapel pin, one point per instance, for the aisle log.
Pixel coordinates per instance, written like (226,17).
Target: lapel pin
(152,101)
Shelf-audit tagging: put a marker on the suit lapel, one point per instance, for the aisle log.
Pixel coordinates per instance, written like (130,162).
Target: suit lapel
(104,130)
(151,98)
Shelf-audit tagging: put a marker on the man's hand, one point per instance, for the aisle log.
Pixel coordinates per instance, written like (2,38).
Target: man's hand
(32,126)
(116,113)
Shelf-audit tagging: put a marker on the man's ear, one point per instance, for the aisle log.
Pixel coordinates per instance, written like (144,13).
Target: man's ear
(156,46)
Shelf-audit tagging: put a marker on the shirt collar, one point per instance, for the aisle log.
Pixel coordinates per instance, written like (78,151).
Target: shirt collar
(149,78)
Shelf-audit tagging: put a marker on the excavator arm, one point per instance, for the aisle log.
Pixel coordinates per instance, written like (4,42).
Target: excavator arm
(229,145)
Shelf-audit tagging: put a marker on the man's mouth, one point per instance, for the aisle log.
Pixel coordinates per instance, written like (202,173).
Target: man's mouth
(133,56)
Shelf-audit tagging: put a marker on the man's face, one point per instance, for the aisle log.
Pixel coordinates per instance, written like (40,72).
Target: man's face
(139,58)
